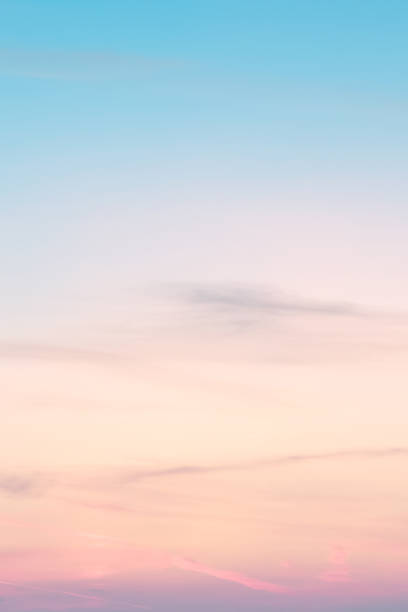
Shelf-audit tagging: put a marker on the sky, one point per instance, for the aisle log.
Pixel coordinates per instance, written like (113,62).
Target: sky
(204,307)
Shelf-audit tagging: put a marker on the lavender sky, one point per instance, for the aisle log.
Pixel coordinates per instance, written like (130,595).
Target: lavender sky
(204,306)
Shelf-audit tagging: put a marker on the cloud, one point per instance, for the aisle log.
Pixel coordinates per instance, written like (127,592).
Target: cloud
(52,591)
(337,570)
(132,476)
(96,599)
(18,485)
(26,485)
(27,350)
(109,507)
(75,65)
(251,583)
(240,299)
(168,560)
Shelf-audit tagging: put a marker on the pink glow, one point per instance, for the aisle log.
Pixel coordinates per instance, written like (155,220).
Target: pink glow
(52,591)
(251,583)
(337,570)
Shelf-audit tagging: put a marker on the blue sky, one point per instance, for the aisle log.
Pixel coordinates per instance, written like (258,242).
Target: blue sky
(265,105)
(191,121)
(154,78)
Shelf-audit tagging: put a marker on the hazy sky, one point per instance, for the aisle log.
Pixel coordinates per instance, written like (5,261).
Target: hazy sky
(204,306)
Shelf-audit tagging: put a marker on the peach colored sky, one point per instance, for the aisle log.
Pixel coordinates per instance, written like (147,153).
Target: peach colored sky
(207,457)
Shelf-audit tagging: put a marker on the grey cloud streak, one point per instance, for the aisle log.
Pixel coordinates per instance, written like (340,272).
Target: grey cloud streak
(134,476)
(28,485)
(252,300)
(17,485)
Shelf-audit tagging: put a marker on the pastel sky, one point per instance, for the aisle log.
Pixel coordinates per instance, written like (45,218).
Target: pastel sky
(204,306)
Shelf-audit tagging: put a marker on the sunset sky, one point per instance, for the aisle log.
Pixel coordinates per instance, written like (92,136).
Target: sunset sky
(204,305)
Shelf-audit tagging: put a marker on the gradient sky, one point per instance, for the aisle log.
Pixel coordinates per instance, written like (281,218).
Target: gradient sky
(204,306)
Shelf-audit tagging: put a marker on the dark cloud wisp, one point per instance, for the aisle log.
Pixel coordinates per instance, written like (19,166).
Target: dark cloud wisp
(251,300)
(134,476)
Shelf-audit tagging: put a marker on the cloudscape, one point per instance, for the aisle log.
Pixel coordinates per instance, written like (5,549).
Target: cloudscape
(204,306)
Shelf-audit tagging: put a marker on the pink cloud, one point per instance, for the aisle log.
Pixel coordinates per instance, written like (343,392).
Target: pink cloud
(161,559)
(251,583)
(86,599)
(337,570)
(52,591)
(106,556)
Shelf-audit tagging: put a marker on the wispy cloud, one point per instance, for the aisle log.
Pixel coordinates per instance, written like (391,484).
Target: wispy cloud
(52,591)
(166,559)
(48,352)
(276,327)
(62,593)
(133,476)
(29,484)
(16,484)
(231,576)
(244,299)
(337,570)
(76,65)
